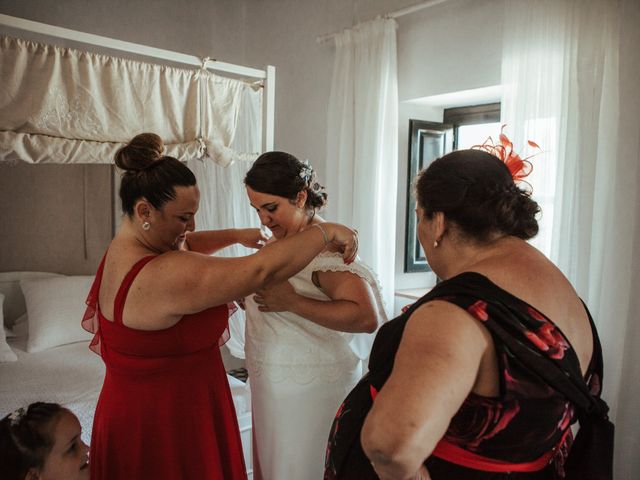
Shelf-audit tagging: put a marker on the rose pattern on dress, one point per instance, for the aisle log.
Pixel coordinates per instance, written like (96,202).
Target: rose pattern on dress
(373,391)
(547,338)
(479,310)
(329,468)
(487,419)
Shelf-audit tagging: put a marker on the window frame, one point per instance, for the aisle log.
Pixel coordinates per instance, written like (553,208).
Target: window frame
(414,258)
(470,115)
(453,118)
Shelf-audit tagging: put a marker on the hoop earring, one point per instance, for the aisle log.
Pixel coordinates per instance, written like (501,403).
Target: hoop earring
(146,226)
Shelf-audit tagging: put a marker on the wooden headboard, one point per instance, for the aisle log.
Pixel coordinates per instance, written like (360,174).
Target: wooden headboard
(55,218)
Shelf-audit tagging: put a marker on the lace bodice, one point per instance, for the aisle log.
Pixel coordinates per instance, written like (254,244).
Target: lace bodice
(303,350)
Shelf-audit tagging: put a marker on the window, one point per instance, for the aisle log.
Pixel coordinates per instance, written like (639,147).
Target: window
(462,128)
(427,141)
(473,125)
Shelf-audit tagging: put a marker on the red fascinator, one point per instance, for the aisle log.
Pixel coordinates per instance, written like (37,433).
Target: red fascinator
(519,167)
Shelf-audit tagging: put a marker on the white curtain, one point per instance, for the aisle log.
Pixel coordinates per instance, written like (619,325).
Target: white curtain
(223,200)
(62,105)
(570,76)
(362,143)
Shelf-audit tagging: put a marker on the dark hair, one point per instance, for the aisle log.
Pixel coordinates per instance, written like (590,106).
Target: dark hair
(25,439)
(475,190)
(282,174)
(148,174)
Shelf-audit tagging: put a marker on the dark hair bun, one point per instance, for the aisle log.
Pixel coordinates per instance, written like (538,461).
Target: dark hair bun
(157,184)
(140,152)
(316,195)
(515,213)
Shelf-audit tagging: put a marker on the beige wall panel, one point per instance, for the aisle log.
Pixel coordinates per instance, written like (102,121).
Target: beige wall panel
(54,218)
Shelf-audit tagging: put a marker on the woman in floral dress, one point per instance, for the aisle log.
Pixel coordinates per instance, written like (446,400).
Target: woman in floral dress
(460,385)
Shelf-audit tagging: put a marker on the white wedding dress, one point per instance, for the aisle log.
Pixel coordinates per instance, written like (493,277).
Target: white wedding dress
(300,373)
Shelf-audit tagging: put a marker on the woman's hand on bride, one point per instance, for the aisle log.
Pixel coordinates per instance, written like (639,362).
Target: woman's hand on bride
(276,298)
(343,239)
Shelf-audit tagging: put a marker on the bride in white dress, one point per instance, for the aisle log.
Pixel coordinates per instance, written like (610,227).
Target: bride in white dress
(306,339)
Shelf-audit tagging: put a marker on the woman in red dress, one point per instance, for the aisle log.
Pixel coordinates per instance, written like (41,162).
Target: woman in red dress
(159,310)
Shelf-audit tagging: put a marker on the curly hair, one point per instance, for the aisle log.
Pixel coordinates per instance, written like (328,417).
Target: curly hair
(476,191)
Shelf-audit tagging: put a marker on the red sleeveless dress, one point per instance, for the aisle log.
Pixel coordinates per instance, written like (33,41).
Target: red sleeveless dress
(165,410)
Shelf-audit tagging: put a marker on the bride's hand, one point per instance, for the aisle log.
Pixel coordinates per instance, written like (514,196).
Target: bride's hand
(344,239)
(278,297)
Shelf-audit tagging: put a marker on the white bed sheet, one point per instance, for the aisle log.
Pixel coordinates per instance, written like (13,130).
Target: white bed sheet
(72,375)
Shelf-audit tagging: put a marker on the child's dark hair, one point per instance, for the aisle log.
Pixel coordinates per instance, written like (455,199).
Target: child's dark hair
(148,174)
(282,174)
(25,438)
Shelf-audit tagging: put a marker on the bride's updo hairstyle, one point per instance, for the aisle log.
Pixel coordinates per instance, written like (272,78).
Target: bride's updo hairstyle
(476,191)
(148,173)
(283,175)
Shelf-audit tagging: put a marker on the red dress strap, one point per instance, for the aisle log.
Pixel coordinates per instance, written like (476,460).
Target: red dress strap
(121,296)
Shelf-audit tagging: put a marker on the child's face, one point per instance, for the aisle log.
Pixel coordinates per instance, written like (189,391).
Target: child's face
(68,458)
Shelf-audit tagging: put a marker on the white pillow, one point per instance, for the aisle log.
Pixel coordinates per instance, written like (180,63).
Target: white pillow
(13,298)
(55,307)
(6,354)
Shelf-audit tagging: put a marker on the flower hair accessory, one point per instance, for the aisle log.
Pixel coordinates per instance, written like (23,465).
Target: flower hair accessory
(519,167)
(16,416)
(306,172)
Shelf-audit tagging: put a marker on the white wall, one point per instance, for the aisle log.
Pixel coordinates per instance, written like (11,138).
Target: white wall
(283,33)
(213,28)
(450,47)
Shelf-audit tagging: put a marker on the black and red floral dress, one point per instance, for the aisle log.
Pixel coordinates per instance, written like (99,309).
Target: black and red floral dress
(522,433)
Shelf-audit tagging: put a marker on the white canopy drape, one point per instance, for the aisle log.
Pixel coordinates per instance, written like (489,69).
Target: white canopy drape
(61,105)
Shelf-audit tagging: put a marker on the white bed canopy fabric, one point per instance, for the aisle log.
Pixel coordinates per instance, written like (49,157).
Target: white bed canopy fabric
(62,105)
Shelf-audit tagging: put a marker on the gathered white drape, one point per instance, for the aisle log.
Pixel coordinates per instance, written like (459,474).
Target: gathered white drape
(362,143)
(62,105)
(570,77)
(223,199)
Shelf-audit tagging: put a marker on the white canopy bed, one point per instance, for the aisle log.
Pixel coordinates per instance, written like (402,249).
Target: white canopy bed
(63,114)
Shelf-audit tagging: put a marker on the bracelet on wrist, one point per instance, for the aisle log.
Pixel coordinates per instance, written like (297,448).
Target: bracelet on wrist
(324,234)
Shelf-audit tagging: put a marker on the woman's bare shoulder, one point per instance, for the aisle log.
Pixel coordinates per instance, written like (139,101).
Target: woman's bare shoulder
(540,283)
